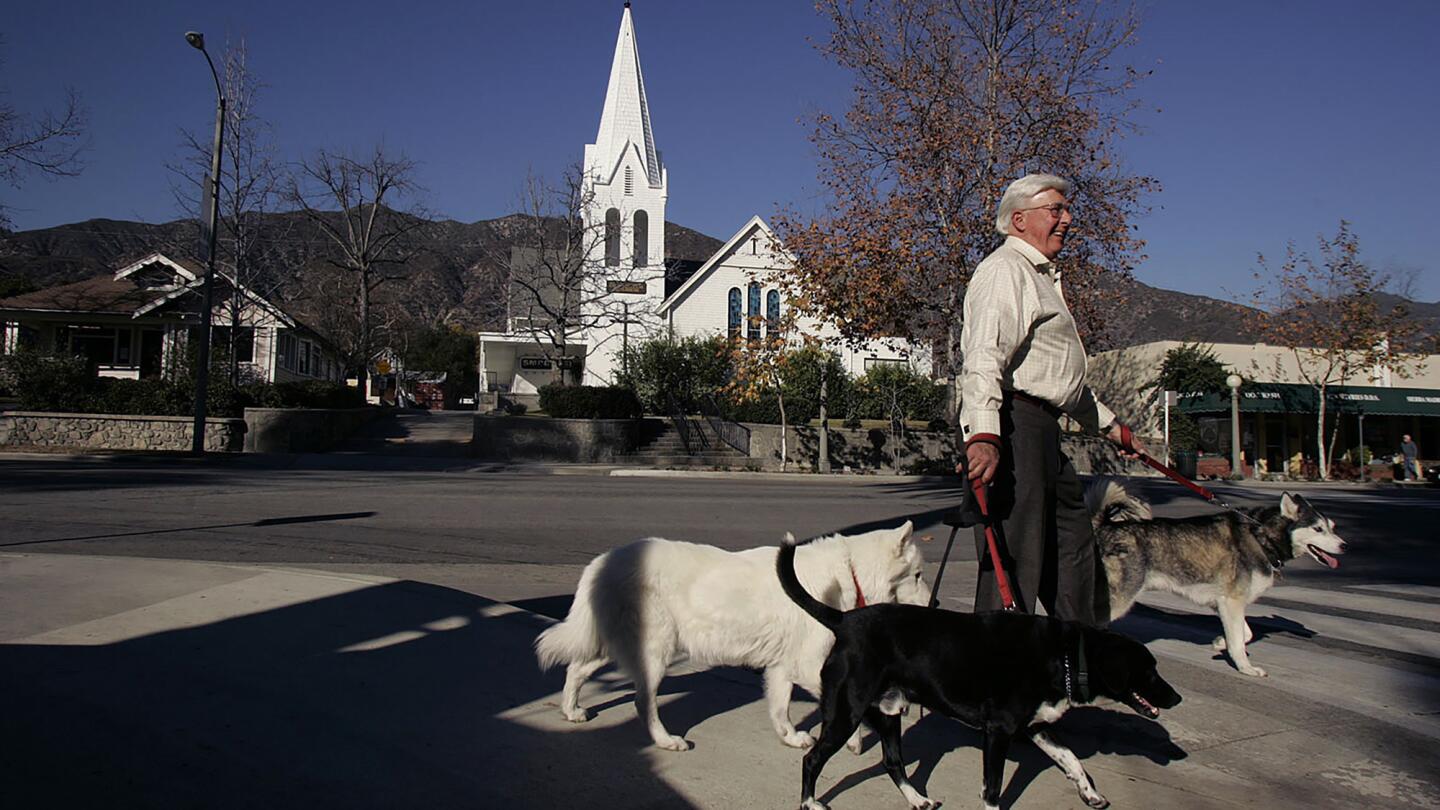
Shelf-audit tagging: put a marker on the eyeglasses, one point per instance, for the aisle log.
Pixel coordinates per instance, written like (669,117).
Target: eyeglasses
(1056,210)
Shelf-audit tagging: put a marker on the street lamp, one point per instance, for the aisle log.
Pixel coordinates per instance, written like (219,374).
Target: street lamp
(211,203)
(1234,382)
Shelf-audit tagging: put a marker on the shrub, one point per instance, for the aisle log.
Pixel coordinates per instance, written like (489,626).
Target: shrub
(45,382)
(688,369)
(892,390)
(589,402)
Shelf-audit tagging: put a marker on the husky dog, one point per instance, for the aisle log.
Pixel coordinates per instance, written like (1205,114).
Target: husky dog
(1006,674)
(643,604)
(1220,561)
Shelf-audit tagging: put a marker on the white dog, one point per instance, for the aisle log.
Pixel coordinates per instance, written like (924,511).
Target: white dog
(643,604)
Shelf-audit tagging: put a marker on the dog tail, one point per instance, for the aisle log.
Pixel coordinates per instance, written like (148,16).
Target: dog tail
(785,568)
(1110,502)
(576,638)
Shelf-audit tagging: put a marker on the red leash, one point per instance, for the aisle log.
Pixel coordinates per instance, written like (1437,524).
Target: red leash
(1127,438)
(1002,581)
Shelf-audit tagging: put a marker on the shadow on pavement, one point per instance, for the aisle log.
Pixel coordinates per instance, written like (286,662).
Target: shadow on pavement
(390,696)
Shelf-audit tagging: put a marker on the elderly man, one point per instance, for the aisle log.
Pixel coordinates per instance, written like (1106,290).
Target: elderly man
(1024,367)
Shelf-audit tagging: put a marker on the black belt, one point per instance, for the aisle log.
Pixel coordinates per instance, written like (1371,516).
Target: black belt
(1053,411)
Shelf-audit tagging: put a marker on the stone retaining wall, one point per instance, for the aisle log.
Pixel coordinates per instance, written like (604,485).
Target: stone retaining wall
(515,438)
(92,431)
(302,430)
(918,451)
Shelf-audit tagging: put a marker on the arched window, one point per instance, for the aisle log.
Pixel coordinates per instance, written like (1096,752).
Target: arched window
(752,328)
(772,314)
(612,238)
(735,309)
(642,238)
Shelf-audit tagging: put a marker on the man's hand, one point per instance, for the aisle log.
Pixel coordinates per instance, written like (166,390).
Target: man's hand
(1136,447)
(982,460)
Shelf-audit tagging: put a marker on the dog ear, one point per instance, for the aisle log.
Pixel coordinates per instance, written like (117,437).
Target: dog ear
(1288,507)
(903,535)
(790,539)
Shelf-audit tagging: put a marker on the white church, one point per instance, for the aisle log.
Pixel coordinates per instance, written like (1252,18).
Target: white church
(735,292)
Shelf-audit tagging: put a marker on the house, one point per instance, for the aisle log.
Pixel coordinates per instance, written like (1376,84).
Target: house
(139,322)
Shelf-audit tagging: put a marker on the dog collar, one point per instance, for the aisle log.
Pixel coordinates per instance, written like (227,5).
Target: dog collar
(1082,675)
(859,594)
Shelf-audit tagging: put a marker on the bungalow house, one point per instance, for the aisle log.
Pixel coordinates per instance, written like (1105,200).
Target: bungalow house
(137,323)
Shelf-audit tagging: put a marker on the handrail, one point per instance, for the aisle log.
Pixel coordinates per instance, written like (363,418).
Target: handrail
(682,425)
(731,432)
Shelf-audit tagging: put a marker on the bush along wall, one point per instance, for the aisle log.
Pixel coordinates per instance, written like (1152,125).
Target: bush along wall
(57,384)
(589,402)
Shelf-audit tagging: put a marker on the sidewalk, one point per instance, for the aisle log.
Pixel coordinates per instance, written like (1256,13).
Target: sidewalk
(149,683)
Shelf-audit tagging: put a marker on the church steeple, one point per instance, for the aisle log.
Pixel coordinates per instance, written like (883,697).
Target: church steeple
(625,120)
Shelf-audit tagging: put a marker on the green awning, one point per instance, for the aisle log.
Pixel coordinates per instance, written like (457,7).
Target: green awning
(1293,398)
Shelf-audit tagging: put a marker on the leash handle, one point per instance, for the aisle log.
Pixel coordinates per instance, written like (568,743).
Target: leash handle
(1002,581)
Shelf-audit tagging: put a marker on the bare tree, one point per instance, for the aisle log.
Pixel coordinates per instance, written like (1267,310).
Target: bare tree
(559,286)
(49,144)
(1329,314)
(251,250)
(368,236)
(953,100)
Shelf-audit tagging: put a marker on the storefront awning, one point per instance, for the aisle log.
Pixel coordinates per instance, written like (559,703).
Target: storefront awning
(1294,398)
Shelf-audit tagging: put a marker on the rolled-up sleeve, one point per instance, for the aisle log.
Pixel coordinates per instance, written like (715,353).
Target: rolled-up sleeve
(997,319)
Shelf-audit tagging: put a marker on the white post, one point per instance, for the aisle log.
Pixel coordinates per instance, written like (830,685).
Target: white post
(1171,397)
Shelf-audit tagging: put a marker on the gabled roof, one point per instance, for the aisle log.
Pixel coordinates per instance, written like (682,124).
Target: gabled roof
(626,117)
(102,295)
(708,268)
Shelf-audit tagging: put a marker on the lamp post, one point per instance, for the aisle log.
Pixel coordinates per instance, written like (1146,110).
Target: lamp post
(1234,382)
(211,203)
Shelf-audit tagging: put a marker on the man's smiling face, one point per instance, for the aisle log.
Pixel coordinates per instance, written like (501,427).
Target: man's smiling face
(1044,222)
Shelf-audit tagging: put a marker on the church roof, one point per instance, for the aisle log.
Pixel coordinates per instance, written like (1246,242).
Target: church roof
(626,118)
(755,225)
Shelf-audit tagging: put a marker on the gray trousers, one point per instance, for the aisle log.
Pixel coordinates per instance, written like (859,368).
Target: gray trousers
(1045,538)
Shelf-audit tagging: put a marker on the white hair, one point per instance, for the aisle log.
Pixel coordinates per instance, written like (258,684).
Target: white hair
(1023,191)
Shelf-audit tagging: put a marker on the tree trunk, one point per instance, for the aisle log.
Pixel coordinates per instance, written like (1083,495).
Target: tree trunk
(823,465)
(784,431)
(363,375)
(1324,460)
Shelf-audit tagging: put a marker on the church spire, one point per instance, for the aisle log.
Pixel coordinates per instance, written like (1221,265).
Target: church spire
(626,118)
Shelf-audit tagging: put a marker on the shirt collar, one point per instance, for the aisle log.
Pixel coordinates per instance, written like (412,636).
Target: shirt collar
(1031,255)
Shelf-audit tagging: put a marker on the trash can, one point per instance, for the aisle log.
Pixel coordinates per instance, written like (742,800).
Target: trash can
(1185,462)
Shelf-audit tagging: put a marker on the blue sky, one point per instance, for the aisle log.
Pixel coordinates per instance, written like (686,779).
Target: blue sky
(1265,121)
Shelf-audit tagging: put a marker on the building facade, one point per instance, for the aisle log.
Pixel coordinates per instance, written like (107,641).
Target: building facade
(1372,408)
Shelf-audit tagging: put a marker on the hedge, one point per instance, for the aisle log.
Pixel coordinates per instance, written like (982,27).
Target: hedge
(69,385)
(589,402)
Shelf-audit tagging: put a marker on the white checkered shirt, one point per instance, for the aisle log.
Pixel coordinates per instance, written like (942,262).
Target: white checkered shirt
(1019,336)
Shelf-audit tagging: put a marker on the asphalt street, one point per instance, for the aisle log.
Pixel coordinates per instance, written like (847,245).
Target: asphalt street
(251,646)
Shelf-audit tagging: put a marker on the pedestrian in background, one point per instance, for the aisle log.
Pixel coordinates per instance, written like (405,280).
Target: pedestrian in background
(1409,452)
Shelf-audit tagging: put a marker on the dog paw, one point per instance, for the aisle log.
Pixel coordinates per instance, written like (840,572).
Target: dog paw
(576,715)
(855,745)
(672,743)
(1097,801)
(1252,671)
(798,739)
(1218,643)
(928,804)
(814,804)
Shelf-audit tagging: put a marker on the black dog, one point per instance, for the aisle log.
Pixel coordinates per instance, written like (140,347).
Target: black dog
(1002,673)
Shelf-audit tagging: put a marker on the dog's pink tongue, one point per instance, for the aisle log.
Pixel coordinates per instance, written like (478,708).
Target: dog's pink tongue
(1326,558)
